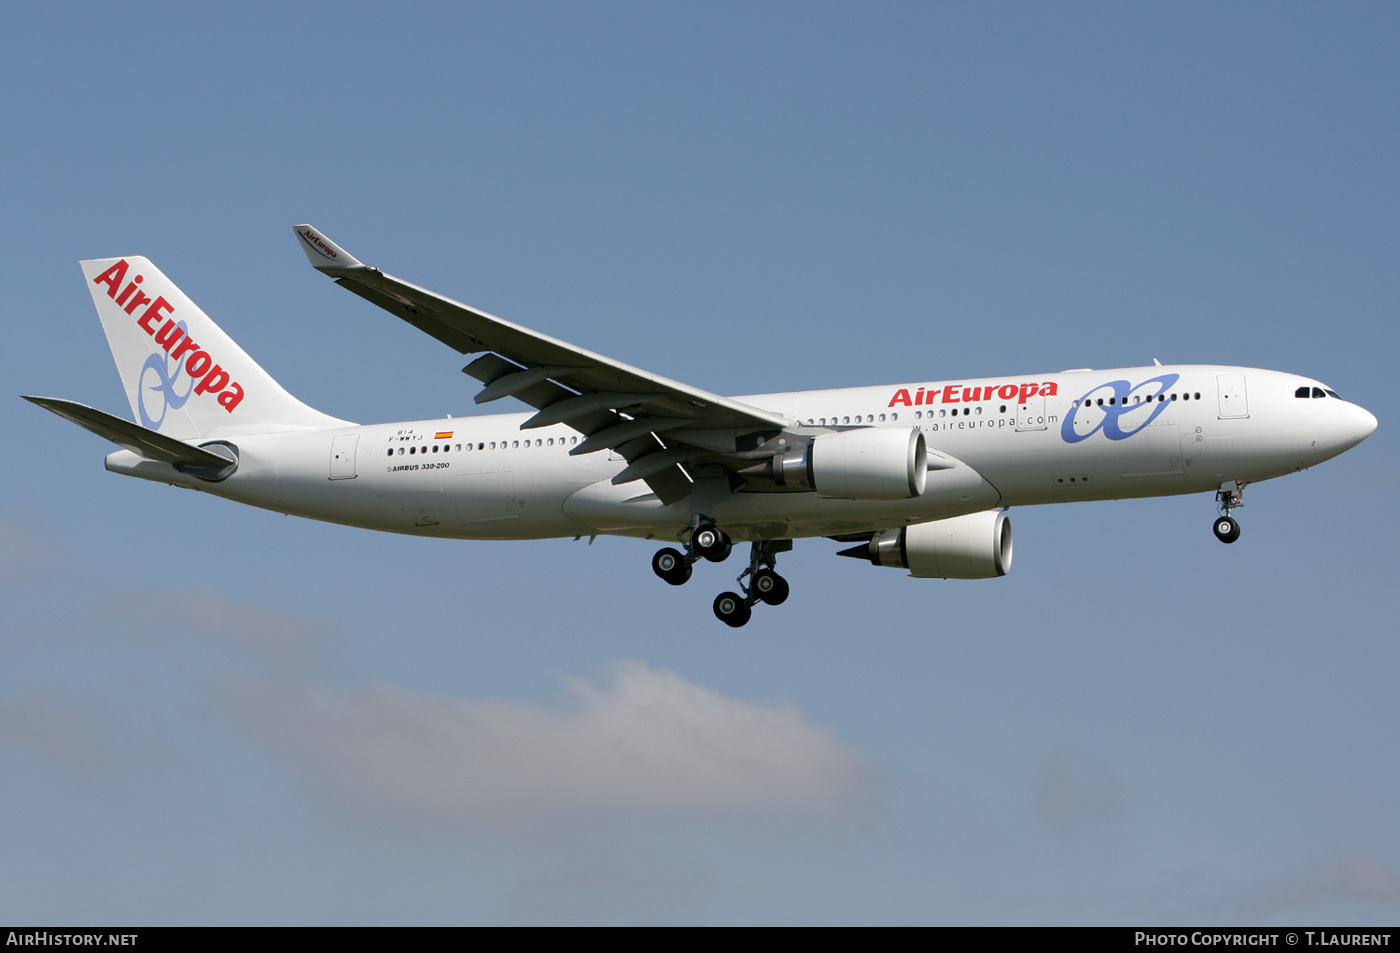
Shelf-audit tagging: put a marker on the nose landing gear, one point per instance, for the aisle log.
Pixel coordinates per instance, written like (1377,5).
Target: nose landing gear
(1229,496)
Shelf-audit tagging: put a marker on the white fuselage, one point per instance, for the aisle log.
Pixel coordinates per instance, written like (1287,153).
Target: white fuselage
(996,442)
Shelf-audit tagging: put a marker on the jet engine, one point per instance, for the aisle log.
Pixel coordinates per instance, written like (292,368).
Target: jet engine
(975,546)
(873,463)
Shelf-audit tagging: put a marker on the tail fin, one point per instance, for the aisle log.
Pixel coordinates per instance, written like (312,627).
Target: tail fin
(185,377)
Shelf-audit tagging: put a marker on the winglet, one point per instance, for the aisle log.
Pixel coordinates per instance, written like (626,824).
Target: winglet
(325,255)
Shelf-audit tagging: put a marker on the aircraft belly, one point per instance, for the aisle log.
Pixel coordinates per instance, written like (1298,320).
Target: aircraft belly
(630,509)
(501,502)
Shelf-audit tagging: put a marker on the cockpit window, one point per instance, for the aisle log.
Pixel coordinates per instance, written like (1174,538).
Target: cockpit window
(1317,392)
(1301,392)
(1332,393)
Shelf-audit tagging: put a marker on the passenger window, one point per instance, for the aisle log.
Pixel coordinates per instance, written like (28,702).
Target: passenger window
(894,416)
(882,418)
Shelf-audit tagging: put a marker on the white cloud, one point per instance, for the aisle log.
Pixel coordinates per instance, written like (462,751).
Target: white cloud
(79,739)
(1349,876)
(1078,792)
(21,553)
(645,740)
(278,640)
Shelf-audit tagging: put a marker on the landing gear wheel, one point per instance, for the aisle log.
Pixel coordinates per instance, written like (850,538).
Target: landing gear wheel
(731,609)
(1227,530)
(671,566)
(712,543)
(770,587)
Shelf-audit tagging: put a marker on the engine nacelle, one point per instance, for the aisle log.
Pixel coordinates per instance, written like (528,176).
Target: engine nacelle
(975,546)
(873,463)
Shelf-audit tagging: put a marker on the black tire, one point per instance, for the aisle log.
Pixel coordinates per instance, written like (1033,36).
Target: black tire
(731,609)
(770,587)
(720,553)
(1227,529)
(671,566)
(713,543)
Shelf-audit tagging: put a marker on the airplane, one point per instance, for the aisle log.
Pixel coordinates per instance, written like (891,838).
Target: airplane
(918,475)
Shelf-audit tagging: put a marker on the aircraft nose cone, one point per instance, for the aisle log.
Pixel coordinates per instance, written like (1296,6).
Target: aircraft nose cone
(1358,424)
(1366,422)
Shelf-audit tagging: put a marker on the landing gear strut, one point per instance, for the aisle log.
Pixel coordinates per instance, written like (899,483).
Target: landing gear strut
(763,584)
(1229,496)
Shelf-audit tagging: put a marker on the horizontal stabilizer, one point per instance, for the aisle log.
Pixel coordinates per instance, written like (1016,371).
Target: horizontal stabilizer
(148,443)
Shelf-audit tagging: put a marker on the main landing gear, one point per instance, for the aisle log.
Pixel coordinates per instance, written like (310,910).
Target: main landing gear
(758,583)
(706,540)
(763,584)
(1229,496)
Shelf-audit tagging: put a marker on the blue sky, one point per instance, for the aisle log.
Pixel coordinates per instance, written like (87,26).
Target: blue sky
(212,714)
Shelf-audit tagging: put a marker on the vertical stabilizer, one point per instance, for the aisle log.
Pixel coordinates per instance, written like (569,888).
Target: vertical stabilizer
(184,376)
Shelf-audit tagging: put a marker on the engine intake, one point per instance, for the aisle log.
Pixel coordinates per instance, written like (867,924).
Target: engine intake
(975,546)
(874,463)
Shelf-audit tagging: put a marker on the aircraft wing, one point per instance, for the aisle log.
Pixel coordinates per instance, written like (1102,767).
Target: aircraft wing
(615,406)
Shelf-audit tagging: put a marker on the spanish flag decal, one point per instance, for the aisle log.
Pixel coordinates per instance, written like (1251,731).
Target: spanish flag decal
(444,435)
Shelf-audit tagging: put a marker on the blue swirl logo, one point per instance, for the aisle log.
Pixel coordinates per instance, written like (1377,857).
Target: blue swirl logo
(1110,407)
(156,384)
